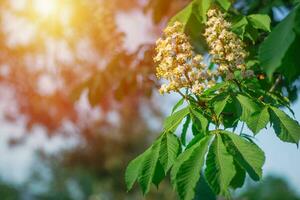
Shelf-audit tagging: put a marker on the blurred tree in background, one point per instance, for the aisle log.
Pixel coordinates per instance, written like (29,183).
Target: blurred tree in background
(68,70)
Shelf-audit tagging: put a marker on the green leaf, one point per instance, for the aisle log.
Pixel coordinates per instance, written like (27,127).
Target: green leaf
(245,153)
(133,169)
(169,149)
(187,171)
(199,120)
(220,104)
(225,4)
(240,27)
(249,107)
(148,168)
(185,129)
(220,168)
(177,105)
(286,128)
(273,50)
(231,113)
(259,120)
(239,178)
(193,17)
(159,174)
(172,122)
(260,21)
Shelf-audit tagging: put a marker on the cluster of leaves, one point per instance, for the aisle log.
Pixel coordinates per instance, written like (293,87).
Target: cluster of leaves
(215,149)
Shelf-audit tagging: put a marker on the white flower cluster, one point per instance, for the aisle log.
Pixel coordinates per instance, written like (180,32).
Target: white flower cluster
(227,49)
(179,65)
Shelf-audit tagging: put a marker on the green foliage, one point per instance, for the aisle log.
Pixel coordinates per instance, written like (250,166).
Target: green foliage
(276,48)
(169,149)
(220,168)
(260,21)
(187,172)
(287,129)
(249,26)
(172,122)
(259,120)
(246,154)
(219,157)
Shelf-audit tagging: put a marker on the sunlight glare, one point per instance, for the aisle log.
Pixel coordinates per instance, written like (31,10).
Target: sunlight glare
(46,8)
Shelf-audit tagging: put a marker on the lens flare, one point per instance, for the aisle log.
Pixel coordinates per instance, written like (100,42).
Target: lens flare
(46,8)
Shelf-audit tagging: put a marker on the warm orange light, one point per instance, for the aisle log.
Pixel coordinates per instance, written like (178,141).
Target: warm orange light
(46,8)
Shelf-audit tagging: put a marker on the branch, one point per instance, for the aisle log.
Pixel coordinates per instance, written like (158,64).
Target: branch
(277,81)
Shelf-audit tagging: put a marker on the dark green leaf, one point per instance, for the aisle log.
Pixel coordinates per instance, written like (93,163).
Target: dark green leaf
(199,120)
(185,129)
(274,48)
(239,178)
(159,174)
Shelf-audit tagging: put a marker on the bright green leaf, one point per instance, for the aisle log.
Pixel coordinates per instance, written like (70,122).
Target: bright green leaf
(148,168)
(187,171)
(220,104)
(133,169)
(245,153)
(169,149)
(260,21)
(249,107)
(177,105)
(220,168)
(286,128)
(172,122)
(225,4)
(259,120)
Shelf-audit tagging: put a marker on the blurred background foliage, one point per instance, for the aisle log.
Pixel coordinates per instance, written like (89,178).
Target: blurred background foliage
(73,72)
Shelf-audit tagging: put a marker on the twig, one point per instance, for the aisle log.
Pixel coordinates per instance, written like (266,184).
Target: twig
(277,81)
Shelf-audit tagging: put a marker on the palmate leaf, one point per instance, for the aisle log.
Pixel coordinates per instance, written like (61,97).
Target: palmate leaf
(172,122)
(247,154)
(259,120)
(286,128)
(169,150)
(186,171)
(220,168)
